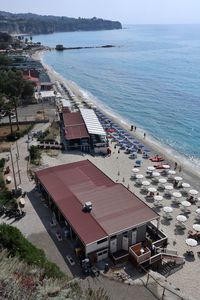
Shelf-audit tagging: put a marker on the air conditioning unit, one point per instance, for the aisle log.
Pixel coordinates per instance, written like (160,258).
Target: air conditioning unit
(88,206)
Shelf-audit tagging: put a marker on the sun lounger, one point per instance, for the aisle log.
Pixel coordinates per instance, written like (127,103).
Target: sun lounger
(157,159)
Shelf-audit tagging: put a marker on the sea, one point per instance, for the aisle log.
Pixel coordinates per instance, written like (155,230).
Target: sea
(150,79)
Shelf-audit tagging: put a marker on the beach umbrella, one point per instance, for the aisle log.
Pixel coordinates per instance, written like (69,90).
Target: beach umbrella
(178,178)
(198,211)
(166,167)
(141,146)
(177,195)
(158,198)
(162,180)
(168,209)
(185,185)
(169,187)
(151,168)
(186,203)
(193,192)
(181,218)
(155,174)
(135,170)
(196,227)
(191,242)
(171,172)
(145,183)
(139,176)
(152,189)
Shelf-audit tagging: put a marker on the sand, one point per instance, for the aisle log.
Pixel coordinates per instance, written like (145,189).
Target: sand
(118,167)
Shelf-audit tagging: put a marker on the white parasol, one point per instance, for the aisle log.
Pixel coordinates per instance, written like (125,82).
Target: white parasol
(151,168)
(169,187)
(152,189)
(193,192)
(191,242)
(166,167)
(171,172)
(198,211)
(178,178)
(185,185)
(186,203)
(162,180)
(196,227)
(155,174)
(158,198)
(145,183)
(135,170)
(168,209)
(181,218)
(139,176)
(177,195)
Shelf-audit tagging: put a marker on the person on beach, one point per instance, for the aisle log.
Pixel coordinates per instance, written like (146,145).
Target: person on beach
(131,127)
(118,151)
(135,128)
(144,135)
(175,165)
(180,168)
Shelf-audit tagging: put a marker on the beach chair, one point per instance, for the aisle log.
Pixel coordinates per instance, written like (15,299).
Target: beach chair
(137,163)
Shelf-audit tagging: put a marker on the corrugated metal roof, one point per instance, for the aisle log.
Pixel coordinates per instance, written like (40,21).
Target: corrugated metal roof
(114,209)
(92,122)
(74,126)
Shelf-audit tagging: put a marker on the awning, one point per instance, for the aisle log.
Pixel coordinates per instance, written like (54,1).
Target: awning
(92,122)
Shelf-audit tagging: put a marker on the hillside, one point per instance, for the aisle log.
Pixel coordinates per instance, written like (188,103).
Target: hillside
(37,24)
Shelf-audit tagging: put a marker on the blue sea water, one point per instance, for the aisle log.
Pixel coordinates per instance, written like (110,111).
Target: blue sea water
(151,79)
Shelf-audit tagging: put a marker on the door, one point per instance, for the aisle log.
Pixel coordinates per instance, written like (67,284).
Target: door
(102,255)
(113,245)
(134,236)
(125,243)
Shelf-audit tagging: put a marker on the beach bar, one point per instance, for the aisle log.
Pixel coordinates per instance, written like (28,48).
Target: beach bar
(102,217)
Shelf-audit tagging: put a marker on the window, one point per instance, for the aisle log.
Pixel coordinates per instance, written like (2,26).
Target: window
(102,241)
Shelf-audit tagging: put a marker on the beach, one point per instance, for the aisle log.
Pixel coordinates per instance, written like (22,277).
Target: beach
(118,167)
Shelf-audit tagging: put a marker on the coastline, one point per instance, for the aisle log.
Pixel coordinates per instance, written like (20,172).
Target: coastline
(189,172)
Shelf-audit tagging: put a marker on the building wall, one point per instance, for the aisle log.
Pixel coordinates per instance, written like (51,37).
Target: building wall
(95,246)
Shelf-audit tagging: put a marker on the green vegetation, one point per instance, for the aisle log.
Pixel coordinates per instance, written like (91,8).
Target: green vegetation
(23,130)
(17,245)
(37,24)
(25,273)
(51,133)
(35,155)
(6,197)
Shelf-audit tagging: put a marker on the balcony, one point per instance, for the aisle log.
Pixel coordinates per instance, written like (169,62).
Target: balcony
(139,253)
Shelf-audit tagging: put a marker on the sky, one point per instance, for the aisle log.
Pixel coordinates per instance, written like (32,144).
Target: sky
(125,11)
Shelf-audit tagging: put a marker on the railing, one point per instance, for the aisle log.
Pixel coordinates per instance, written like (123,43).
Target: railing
(179,260)
(167,251)
(161,291)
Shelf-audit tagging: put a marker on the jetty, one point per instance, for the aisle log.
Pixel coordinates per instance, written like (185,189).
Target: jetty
(61,47)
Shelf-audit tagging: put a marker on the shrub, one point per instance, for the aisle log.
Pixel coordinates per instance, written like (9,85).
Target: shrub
(17,245)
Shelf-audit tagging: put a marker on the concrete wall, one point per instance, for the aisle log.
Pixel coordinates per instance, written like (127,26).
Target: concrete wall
(94,247)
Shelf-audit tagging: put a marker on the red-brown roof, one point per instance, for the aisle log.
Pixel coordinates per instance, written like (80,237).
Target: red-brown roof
(114,208)
(74,126)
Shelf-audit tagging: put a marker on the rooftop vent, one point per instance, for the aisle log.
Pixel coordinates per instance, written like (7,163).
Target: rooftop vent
(87,207)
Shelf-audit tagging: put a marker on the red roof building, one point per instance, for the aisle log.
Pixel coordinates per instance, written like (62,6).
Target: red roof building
(74,126)
(115,211)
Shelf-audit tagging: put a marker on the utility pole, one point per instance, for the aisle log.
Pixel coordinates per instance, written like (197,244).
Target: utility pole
(17,150)
(18,170)
(13,169)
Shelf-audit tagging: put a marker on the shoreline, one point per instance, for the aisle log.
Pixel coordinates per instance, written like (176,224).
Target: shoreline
(189,174)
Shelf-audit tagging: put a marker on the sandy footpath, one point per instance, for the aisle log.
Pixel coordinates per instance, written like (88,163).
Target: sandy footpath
(118,167)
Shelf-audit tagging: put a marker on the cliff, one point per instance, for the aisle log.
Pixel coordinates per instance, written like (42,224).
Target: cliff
(37,24)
